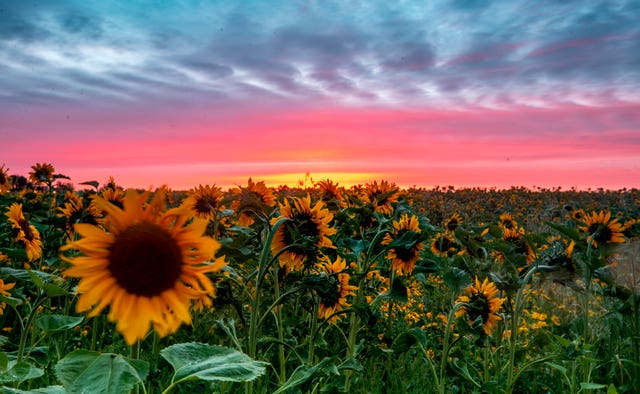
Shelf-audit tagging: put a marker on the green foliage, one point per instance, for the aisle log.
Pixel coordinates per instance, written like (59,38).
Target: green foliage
(213,363)
(83,371)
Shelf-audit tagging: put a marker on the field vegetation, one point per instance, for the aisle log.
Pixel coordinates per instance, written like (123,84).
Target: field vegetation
(316,289)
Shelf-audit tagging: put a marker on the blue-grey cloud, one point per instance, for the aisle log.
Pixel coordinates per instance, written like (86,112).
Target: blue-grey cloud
(485,53)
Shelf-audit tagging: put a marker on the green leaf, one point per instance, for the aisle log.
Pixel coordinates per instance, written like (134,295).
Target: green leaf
(212,363)
(4,361)
(53,323)
(558,367)
(305,373)
(356,246)
(591,386)
(456,279)
(612,389)
(407,339)
(23,274)
(36,279)
(83,371)
(398,291)
(44,390)
(14,302)
(53,290)
(20,372)
(351,364)
(95,184)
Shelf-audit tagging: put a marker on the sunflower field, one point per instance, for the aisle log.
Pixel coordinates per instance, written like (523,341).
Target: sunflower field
(316,289)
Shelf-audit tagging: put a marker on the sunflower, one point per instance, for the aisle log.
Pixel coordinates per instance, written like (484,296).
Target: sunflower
(601,229)
(5,181)
(330,194)
(516,237)
(42,172)
(205,201)
(73,211)
(334,290)
(578,215)
(255,198)
(443,245)
(507,221)
(111,184)
(559,257)
(380,196)
(308,228)
(149,265)
(481,301)
(405,244)
(114,196)
(453,222)
(4,290)
(25,232)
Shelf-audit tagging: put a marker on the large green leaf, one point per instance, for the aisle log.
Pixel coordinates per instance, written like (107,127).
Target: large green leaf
(305,373)
(213,363)
(407,339)
(53,323)
(20,372)
(83,371)
(44,390)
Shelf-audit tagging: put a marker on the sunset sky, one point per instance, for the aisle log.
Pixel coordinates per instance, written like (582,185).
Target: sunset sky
(424,93)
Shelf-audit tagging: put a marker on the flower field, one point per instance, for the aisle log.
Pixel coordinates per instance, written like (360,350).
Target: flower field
(318,289)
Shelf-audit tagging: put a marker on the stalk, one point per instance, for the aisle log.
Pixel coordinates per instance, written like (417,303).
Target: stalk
(513,338)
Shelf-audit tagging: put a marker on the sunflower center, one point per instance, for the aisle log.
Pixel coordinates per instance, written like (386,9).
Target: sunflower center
(26,229)
(145,260)
(601,233)
(329,292)
(206,204)
(478,307)
(405,254)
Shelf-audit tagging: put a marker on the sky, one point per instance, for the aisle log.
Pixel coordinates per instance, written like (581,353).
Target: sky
(468,93)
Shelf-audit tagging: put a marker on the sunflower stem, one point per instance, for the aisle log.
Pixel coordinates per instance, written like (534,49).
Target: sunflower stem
(513,338)
(94,333)
(446,348)
(313,329)
(282,376)
(27,325)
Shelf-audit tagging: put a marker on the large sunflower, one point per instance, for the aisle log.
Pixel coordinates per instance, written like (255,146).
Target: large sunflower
(25,232)
(205,201)
(601,229)
(5,182)
(380,196)
(148,266)
(406,244)
(42,172)
(308,228)
(481,301)
(334,289)
(255,198)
